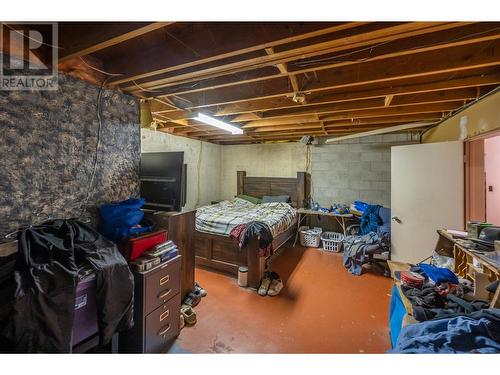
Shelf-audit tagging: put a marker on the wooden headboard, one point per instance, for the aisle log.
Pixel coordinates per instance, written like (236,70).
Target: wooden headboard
(297,188)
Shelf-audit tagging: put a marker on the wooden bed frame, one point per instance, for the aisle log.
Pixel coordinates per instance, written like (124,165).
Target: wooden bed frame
(221,253)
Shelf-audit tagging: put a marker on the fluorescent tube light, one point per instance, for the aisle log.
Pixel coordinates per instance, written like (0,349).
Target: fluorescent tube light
(218,124)
(388,129)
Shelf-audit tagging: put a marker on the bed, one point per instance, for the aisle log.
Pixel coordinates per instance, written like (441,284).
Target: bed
(215,250)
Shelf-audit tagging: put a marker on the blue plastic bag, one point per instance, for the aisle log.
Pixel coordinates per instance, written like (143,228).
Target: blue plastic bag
(120,220)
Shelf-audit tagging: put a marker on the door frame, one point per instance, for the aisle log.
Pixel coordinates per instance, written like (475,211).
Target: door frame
(467,192)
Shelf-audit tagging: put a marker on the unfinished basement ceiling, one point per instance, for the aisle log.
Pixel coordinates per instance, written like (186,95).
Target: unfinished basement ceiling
(282,80)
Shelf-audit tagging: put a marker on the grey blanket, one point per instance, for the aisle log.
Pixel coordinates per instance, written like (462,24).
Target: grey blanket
(357,250)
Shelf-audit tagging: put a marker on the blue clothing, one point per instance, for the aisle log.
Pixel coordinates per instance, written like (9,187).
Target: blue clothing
(120,220)
(397,313)
(360,206)
(478,332)
(438,275)
(370,221)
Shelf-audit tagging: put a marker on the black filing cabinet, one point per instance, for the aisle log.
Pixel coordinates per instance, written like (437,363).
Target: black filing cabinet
(156,309)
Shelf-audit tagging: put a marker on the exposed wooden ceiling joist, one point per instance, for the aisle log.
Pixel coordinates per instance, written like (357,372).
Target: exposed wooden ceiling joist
(241,51)
(396,88)
(356,74)
(91,46)
(279,81)
(335,45)
(465,34)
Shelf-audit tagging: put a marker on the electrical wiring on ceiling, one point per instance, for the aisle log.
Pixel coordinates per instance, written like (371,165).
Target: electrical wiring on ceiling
(371,48)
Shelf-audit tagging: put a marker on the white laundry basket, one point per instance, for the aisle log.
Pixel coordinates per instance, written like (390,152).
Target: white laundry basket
(310,237)
(332,241)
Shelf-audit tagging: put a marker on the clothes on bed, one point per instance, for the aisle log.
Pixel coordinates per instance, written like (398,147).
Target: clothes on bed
(244,232)
(357,250)
(223,217)
(477,332)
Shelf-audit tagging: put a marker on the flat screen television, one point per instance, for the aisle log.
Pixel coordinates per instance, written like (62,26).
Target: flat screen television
(163,180)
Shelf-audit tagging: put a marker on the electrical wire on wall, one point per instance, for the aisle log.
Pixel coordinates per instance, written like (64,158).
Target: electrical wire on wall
(198,169)
(308,171)
(97,146)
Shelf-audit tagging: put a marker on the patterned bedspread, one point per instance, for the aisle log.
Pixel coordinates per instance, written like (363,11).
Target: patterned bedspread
(221,218)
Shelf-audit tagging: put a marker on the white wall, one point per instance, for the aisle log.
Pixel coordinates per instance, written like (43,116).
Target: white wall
(209,171)
(260,160)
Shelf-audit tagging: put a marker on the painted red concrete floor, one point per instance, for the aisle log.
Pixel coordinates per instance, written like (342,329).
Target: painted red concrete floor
(322,309)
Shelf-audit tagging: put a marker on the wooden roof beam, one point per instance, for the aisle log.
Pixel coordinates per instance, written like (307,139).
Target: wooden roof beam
(419,65)
(241,51)
(349,42)
(394,89)
(384,120)
(87,50)
(283,70)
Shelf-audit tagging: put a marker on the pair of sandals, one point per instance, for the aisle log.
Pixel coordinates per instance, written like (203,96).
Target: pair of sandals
(188,315)
(271,284)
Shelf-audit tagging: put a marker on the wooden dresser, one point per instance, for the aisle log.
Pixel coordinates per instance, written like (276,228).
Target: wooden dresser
(180,227)
(156,309)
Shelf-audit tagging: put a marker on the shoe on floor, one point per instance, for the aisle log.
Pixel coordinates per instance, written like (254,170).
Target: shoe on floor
(202,291)
(192,299)
(189,314)
(264,286)
(181,322)
(275,287)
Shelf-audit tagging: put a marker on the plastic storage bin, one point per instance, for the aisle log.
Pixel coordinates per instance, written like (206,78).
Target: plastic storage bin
(332,241)
(310,237)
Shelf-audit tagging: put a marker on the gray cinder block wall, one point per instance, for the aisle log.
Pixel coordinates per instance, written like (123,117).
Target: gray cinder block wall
(355,169)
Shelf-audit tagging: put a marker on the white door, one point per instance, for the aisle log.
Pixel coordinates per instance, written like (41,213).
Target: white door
(427,193)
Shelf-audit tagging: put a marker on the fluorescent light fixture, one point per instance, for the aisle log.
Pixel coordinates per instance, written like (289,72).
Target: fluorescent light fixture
(218,124)
(389,129)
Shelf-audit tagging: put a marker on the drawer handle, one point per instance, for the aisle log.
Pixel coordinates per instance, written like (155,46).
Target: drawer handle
(164,279)
(164,330)
(164,315)
(164,294)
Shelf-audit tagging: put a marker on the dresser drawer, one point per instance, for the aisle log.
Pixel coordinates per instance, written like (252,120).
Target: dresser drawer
(162,325)
(162,284)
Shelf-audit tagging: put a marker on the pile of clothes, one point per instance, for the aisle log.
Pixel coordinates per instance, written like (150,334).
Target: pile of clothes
(244,232)
(46,274)
(451,320)
(358,250)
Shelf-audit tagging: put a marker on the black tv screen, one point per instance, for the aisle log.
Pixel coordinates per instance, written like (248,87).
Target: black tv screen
(163,180)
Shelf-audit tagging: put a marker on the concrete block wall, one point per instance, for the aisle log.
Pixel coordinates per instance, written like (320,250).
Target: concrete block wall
(206,155)
(260,160)
(355,169)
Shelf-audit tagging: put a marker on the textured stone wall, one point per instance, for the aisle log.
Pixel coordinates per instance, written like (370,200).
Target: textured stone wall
(47,150)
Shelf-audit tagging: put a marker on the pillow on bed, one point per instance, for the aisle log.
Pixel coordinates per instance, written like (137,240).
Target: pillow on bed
(249,198)
(276,198)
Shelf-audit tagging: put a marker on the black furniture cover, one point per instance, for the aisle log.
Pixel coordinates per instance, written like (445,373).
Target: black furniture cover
(46,275)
